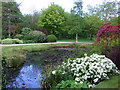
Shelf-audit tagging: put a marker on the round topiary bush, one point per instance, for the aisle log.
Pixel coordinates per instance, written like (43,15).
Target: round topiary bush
(37,36)
(7,41)
(51,38)
(18,36)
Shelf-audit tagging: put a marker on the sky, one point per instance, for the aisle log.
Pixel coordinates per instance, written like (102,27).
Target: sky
(29,6)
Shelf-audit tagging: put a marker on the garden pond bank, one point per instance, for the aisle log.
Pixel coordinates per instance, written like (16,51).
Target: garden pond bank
(30,74)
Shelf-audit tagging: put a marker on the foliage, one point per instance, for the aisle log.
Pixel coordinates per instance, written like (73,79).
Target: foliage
(4,79)
(11,16)
(16,61)
(25,33)
(18,29)
(44,31)
(105,11)
(28,41)
(11,41)
(92,25)
(0,41)
(51,38)
(92,69)
(37,36)
(114,55)
(18,36)
(108,31)
(17,41)
(16,54)
(31,20)
(7,41)
(52,19)
(107,37)
(71,84)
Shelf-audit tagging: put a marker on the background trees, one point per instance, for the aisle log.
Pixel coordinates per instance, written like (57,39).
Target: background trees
(11,16)
(56,21)
(77,20)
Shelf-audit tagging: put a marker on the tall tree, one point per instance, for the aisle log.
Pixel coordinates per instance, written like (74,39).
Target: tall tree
(105,11)
(92,25)
(52,19)
(11,15)
(31,20)
(77,20)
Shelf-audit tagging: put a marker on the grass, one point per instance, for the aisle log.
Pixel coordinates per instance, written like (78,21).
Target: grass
(113,82)
(73,40)
(16,54)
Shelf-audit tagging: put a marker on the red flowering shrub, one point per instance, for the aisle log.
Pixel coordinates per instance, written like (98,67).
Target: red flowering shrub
(108,42)
(43,31)
(108,31)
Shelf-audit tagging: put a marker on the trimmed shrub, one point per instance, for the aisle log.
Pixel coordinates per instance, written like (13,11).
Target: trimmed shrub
(17,41)
(51,38)
(18,36)
(11,41)
(7,41)
(37,36)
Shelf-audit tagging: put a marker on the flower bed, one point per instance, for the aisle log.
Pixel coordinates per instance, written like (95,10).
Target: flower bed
(90,69)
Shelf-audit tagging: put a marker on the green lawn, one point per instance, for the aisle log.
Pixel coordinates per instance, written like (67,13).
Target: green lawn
(113,82)
(73,40)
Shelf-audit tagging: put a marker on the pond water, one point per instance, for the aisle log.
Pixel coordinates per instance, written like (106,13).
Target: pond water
(29,75)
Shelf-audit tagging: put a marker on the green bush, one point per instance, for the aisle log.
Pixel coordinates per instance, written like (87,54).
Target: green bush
(25,33)
(28,41)
(71,84)
(17,41)
(0,41)
(18,36)
(51,38)
(7,41)
(37,36)
(11,41)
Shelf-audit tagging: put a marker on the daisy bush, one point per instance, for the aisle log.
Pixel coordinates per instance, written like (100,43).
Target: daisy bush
(93,69)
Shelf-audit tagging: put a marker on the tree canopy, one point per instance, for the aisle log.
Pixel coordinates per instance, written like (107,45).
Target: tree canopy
(52,19)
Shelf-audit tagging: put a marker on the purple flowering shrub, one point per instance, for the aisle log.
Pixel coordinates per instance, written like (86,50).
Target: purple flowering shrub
(43,31)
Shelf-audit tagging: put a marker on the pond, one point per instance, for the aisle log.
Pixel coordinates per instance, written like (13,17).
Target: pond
(29,75)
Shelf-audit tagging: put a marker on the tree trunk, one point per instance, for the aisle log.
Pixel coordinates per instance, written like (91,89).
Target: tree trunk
(76,37)
(90,37)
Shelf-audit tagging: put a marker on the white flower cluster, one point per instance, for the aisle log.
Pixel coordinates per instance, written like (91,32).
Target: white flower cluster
(93,68)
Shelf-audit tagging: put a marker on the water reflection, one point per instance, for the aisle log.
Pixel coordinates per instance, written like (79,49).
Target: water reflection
(29,77)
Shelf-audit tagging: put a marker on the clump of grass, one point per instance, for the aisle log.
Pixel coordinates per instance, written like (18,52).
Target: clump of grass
(113,82)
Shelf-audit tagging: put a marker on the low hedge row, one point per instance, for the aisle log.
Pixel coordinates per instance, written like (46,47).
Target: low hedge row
(11,41)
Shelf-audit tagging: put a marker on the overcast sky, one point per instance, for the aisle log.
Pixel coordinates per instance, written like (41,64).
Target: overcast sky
(28,6)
